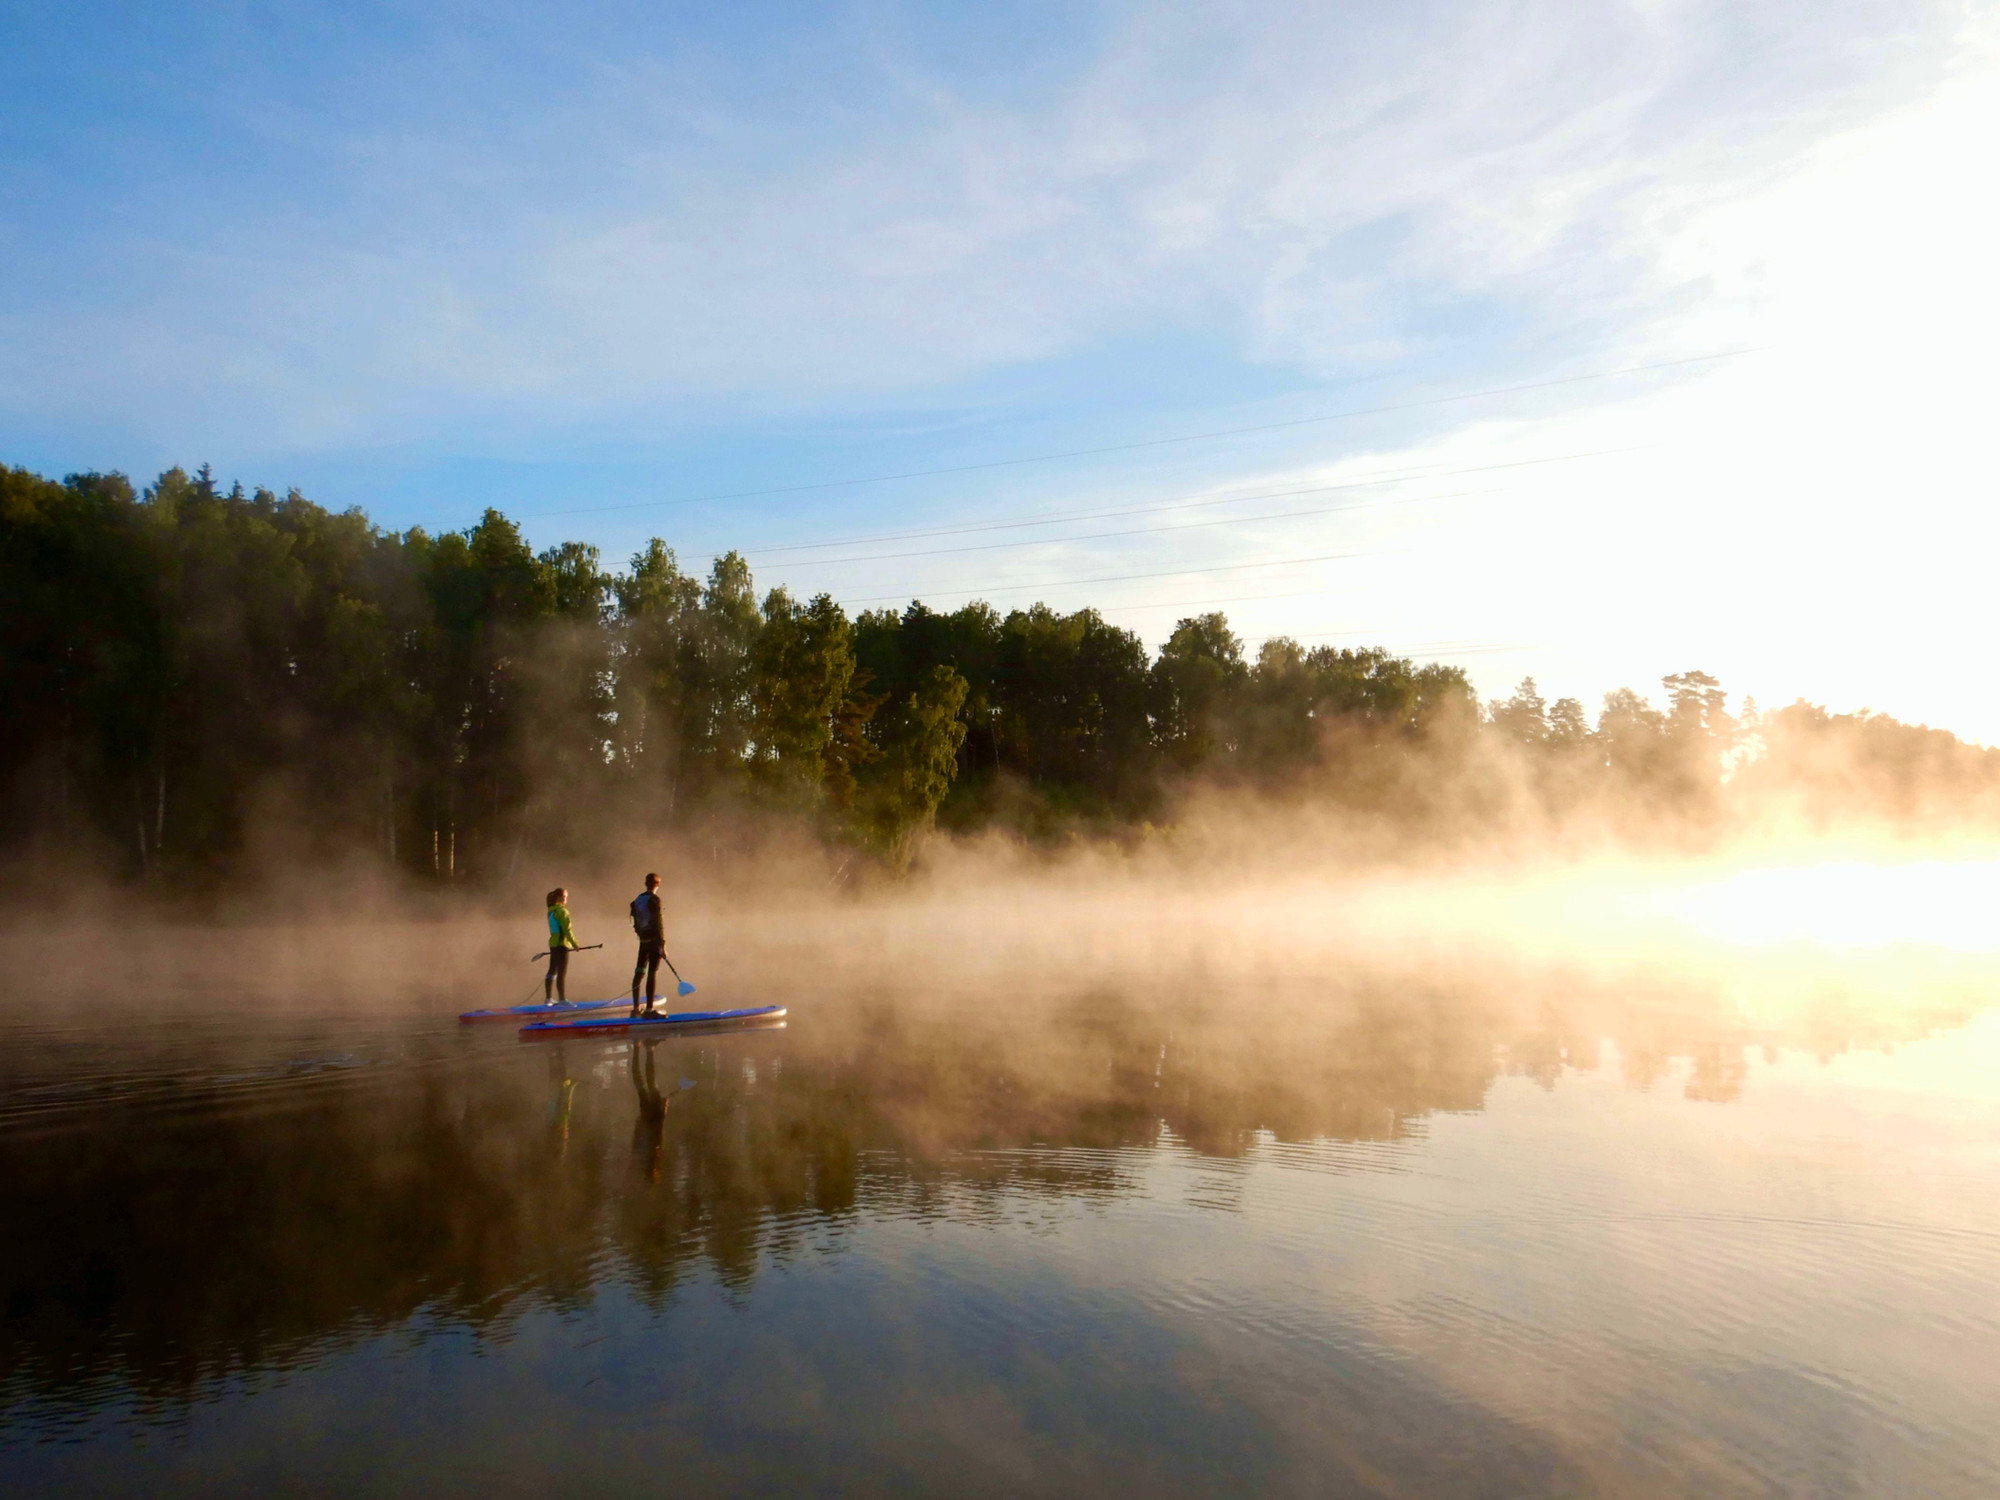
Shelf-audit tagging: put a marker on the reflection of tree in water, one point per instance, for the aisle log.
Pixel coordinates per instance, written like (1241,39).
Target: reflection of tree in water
(1558,1040)
(168,1251)
(1654,1032)
(1718,1073)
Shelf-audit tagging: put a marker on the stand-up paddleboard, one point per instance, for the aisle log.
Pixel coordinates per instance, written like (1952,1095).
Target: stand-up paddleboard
(546,1008)
(686,1020)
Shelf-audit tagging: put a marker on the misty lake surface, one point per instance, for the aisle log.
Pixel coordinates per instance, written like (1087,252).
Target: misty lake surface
(1344,1238)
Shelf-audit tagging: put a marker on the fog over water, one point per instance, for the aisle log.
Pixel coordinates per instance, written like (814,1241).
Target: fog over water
(1600,1181)
(1342,849)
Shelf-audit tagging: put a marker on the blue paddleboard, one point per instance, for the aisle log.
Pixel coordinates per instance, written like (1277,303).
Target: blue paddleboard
(551,1008)
(682,1021)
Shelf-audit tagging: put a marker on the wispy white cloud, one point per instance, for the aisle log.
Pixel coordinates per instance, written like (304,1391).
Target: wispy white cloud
(654,238)
(1816,518)
(1326,189)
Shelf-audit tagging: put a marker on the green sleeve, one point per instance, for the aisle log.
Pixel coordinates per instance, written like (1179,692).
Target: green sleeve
(568,937)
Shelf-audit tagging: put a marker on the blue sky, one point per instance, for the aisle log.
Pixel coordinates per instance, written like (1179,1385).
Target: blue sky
(592,263)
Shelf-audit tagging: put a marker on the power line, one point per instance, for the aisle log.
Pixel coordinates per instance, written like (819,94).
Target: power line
(1198,603)
(1474,647)
(1481,648)
(1191,437)
(1063,583)
(1098,536)
(1051,518)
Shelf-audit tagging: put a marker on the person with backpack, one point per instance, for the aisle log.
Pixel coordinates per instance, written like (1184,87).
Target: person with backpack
(650,924)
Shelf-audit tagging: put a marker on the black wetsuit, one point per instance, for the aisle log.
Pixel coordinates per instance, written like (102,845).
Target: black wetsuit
(648,922)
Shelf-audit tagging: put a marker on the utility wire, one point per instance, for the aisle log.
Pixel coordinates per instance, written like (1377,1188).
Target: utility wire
(1052,518)
(1480,648)
(1199,603)
(1190,437)
(1469,646)
(1098,536)
(1063,583)
(1473,647)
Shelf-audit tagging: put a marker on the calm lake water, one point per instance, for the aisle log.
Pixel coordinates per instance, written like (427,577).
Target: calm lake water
(1392,1236)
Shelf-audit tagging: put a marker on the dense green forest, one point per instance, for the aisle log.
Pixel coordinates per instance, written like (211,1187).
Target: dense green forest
(190,670)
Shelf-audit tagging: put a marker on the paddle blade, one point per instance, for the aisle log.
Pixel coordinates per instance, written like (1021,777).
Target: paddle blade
(686,988)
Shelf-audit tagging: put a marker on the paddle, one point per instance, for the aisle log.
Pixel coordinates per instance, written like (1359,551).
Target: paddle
(686,988)
(546,951)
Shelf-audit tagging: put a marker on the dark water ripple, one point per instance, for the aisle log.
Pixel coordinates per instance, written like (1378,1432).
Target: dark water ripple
(909,1247)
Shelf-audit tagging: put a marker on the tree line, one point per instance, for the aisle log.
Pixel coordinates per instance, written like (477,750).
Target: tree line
(189,670)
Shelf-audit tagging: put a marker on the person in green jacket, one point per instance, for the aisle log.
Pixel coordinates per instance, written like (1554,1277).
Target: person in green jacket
(561,941)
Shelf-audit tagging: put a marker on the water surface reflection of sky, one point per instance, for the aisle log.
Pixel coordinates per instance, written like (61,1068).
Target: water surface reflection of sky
(1367,1235)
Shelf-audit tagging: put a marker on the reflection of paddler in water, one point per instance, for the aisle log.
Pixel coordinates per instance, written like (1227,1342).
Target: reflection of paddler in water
(649,1130)
(565,1095)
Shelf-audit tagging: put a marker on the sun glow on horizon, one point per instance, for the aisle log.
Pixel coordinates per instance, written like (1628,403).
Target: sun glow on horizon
(1846,905)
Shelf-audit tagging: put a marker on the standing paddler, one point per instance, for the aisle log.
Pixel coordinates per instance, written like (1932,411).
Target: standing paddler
(561,941)
(650,923)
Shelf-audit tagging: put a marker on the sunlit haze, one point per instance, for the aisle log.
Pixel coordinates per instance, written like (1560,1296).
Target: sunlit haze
(1000,750)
